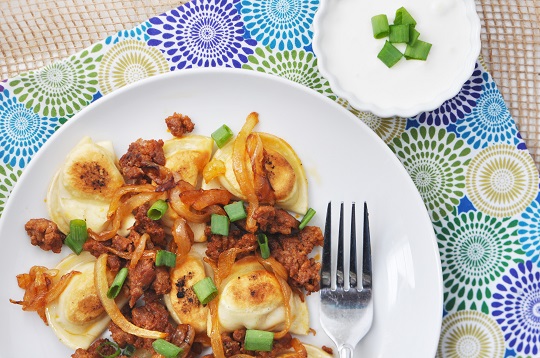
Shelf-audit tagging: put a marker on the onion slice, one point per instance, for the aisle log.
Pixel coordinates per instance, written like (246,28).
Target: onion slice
(102,286)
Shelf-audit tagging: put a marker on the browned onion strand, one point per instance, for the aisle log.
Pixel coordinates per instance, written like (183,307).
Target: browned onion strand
(182,236)
(139,250)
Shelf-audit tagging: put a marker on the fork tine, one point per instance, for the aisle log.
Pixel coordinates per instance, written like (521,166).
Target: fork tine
(340,273)
(326,267)
(353,273)
(366,255)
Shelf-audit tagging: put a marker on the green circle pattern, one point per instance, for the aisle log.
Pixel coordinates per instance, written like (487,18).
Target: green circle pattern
(296,65)
(435,160)
(62,88)
(470,334)
(475,249)
(8,178)
(502,180)
(127,62)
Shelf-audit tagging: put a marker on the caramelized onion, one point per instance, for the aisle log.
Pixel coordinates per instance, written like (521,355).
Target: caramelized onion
(127,189)
(139,250)
(213,169)
(183,210)
(215,334)
(102,285)
(299,348)
(241,171)
(183,237)
(40,289)
(262,187)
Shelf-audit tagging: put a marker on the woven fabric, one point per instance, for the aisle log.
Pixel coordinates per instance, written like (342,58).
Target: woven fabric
(34,33)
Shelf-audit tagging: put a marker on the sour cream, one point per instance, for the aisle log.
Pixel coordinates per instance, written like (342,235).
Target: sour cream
(347,53)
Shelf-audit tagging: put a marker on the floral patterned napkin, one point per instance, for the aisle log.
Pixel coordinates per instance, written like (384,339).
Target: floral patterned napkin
(467,159)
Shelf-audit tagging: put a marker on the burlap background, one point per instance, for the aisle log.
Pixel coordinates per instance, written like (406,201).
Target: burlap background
(34,33)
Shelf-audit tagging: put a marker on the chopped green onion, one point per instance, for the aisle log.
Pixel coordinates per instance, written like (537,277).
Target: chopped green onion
(258,340)
(236,211)
(222,135)
(379,23)
(129,350)
(305,220)
(399,34)
(263,245)
(167,349)
(117,284)
(165,258)
(77,235)
(419,51)
(104,345)
(404,18)
(413,35)
(389,54)
(219,224)
(205,290)
(157,209)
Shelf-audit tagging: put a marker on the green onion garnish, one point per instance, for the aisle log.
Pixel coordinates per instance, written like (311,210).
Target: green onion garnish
(419,51)
(108,343)
(389,54)
(167,349)
(235,211)
(205,290)
(222,135)
(413,35)
(399,34)
(77,235)
(305,220)
(263,245)
(258,340)
(404,18)
(165,258)
(219,224)
(116,286)
(129,350)
(157,209)
(379,23)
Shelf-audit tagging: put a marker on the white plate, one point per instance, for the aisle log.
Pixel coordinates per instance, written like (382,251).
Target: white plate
(344,160)
(347,54)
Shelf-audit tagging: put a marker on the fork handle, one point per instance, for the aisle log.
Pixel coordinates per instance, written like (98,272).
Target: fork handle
(345,351)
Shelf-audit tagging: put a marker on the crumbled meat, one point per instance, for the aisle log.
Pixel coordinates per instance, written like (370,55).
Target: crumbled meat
(218,244)
(328,350)
(179,124)
(162,282)
(45,234)
(140,278)
(123,244)
(143,224)
(275,221)
(92,351)
(292,252)
(114,263)
(143,162)
(152,316)
(95,247)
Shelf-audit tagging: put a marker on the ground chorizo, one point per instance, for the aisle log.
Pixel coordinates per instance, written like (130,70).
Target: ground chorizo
(45,234)
(179,124)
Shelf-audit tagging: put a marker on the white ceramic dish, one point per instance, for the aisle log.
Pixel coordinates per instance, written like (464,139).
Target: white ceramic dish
(347,162)
(347,54)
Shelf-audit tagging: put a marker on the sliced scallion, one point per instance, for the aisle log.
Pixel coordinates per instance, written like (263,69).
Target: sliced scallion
(222,135)
(129,350)
(258,340)
(419,51)
(165,258)
(379,23)
(77,235)
(235,211)
(205,290)
(157,210)
(117,284)
(399,34)
(166,349)
(103,346)
(404,18)
(262,239)
(389,54)
(413,35)
(305,220)
(219,224)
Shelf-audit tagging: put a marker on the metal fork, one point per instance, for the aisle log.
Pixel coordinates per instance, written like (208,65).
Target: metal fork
(346,310)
